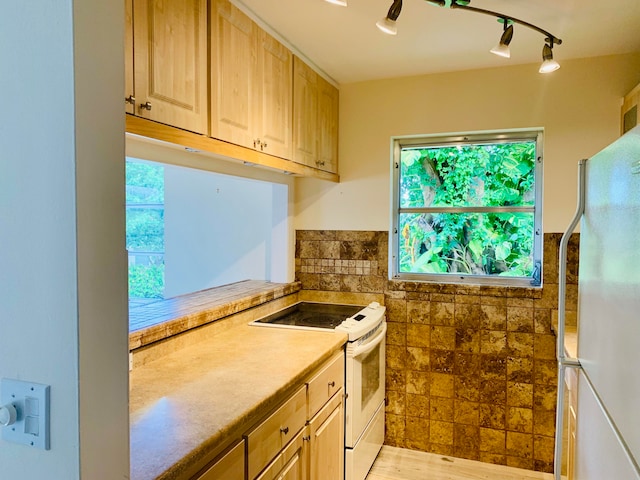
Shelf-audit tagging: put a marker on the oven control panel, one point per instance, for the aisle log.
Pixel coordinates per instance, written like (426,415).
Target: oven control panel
(363,322)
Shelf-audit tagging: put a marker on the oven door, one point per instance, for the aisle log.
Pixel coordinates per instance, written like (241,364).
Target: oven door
(365,383)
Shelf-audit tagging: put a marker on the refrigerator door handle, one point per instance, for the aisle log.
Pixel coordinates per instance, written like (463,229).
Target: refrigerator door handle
(563,361)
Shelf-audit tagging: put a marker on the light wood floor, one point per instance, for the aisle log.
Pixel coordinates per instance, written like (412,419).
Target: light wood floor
(402,464)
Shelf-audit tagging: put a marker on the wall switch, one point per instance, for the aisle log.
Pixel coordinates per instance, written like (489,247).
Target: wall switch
(31,404)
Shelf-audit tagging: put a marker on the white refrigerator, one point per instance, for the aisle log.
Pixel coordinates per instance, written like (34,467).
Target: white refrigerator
(607,444)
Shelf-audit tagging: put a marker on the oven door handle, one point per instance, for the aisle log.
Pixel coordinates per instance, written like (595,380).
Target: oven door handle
(367,347)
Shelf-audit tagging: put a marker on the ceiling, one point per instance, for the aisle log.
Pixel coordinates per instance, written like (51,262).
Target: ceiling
(344,43)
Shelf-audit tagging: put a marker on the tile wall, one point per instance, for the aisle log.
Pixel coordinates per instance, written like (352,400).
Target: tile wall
(471,371)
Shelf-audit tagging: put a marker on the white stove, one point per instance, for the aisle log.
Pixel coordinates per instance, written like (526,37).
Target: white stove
(364,371)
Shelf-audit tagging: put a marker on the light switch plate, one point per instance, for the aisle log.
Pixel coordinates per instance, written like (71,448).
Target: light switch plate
(31,401)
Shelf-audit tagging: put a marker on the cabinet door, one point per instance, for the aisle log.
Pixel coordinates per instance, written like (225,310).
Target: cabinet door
(273,115)
(305,113)
(234,90)
(129,96)
(170,47)
(327,126)
(290,464)
(229,467)
(326,443)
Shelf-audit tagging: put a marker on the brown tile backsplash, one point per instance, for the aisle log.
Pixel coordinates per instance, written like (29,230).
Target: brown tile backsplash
(471,370)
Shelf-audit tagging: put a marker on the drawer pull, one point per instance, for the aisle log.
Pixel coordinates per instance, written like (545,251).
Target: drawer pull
(332,384)
(285,430)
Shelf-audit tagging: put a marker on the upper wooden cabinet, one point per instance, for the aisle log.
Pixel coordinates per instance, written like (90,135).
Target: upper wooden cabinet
(251,78)
(129,97)
(170,62)
(204,67)
(305,112)
(327,126)
(315,119)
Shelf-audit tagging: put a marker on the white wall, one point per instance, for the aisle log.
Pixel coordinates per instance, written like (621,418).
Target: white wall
(282,261)
(63,308)
(578,106)
(219,229)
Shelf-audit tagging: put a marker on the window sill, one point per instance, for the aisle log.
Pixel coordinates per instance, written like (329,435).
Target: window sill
(533,292)
(165,318)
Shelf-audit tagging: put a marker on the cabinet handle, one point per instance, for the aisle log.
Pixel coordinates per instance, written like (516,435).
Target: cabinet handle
(319,163)
(256,142)
(284,430)
(263,145)
(332,384)
(130,99)
(145,106)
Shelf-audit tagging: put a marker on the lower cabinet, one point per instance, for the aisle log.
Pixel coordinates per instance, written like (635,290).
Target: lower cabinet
(291,463)
(271,436)
(302,439)
(326,441)
(229,467)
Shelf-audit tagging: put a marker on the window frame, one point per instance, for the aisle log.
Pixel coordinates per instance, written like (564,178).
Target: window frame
(453,139)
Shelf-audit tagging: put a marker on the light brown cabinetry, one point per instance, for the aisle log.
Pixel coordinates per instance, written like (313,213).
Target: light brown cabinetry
(291,463)
(251,78)
(274,433)
(129,97)
(327,126)
(326,441)
(170,74)
(315,119)
(325,429)
(630,113)
(301,439)
(229,467)
(235,84)
(325,384)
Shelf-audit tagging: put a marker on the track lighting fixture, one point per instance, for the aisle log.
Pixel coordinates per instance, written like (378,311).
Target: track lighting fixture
(502,49)
(548,63)
(388,25)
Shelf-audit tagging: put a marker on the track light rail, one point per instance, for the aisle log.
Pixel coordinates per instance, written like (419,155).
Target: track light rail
(549,37)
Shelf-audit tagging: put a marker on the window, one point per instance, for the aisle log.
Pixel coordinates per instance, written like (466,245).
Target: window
(145,230)
(467,209)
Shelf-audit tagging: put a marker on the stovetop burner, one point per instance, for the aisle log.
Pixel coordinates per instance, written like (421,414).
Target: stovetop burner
(313,315)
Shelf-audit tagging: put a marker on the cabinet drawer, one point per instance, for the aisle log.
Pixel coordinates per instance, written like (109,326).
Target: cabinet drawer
(325,384)
(229,467)
(270,436)
(290,464)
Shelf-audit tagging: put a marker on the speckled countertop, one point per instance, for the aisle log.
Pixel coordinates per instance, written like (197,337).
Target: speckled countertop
(186,407)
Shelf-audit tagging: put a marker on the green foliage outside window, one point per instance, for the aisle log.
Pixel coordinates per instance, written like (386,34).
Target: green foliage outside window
(145,229)
(446,222)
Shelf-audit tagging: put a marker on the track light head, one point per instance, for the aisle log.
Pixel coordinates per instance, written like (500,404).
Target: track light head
(502,49)
(388,23)
(548,63)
